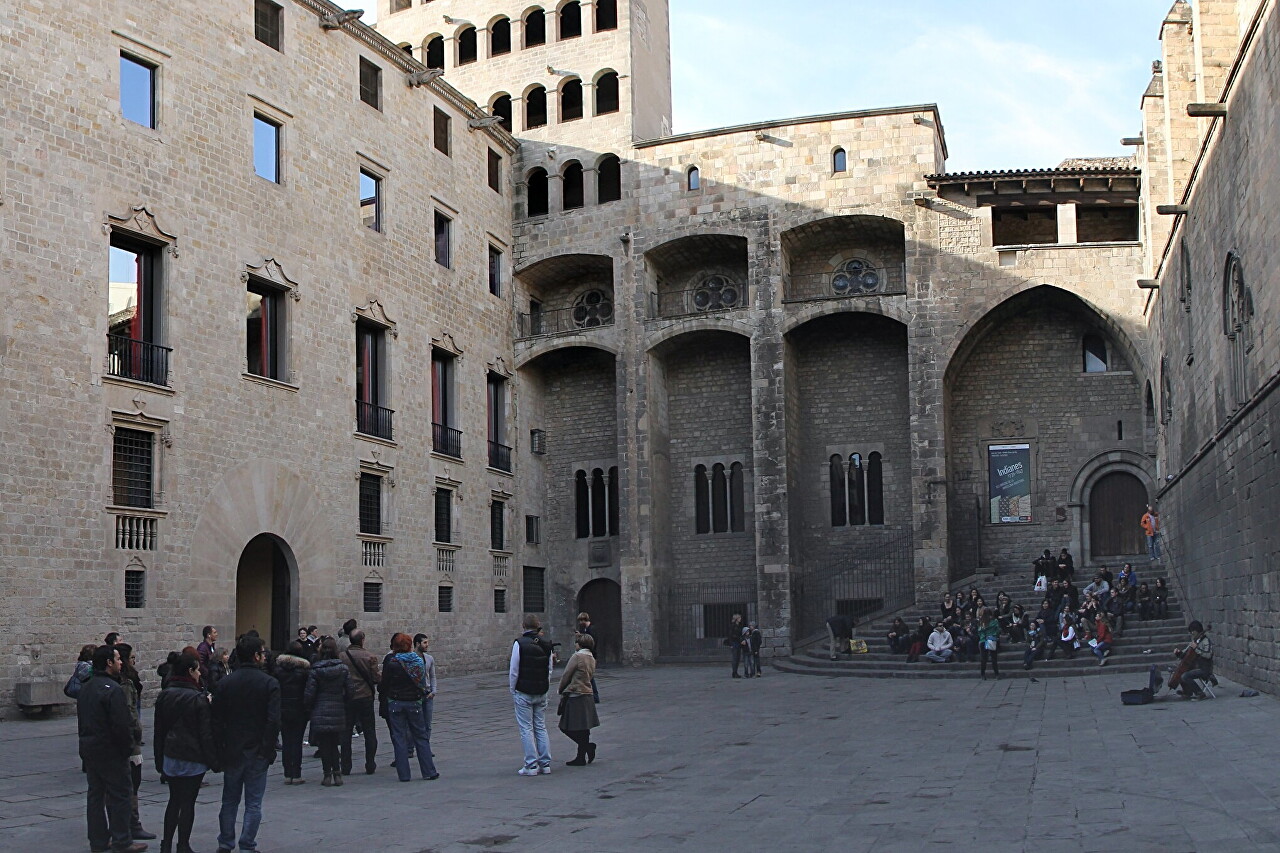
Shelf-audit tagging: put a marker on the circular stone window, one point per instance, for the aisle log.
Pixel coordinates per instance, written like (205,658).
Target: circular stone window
(591,309)
(716,293)
(856,276)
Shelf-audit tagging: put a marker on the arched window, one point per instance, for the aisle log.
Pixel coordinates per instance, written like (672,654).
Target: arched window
(1166,391)
(701,500)
(607,93)
(599,504)
(500,37)
(875,489)
(535,28)
(502,108)
(857,490)
(1237,325)
(435,52)
(406,47)
(1095,354)
(608,179)
(839,160)
(856,276)
(582,504)
(719,499)
(571,185)
(839,512)
(467,50)
(537,183)
(571,100)
(737,512)
(535,108)
(570,20)
(606,15)
(693,179)
(613,501)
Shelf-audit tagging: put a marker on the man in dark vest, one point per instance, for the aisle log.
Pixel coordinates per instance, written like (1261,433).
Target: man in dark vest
(529,677)
(105,743)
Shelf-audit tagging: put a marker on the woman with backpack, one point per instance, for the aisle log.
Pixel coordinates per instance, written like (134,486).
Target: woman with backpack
(184,747)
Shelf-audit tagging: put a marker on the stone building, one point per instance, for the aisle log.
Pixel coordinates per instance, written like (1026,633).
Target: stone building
(437,324)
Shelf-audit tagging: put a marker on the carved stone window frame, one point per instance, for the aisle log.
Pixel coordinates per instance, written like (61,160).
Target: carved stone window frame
(271,273)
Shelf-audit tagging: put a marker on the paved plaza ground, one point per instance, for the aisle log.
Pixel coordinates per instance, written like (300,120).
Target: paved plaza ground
(692,760)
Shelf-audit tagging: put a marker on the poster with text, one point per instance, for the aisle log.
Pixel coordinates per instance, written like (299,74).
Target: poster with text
(1009,468)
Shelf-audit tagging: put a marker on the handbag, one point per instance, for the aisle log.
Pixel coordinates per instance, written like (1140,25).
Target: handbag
(72,688)
(858,647)
(1042,583)
(989,644)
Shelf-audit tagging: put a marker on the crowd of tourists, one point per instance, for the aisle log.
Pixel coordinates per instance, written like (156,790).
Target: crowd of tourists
(232,711)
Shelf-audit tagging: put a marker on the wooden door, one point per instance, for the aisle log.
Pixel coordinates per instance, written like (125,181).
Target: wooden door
(1116,505)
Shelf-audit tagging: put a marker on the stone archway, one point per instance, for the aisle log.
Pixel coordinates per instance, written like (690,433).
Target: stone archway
(1114,507)
(602,598)
(265,590)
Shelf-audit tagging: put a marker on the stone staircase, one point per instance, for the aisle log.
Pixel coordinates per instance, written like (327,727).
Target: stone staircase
(1159,636)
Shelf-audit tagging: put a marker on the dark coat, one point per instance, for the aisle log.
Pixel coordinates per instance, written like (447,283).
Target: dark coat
(184,726)
(292,672)
(328,690)
(102,711)
(246,715)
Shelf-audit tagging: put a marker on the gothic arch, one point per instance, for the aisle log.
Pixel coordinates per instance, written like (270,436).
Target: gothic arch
(545,346)
(892,309)
(1110,462)
(666,338)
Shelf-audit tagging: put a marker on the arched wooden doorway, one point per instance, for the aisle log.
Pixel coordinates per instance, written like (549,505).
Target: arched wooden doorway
(602,598)
(264,590)
(1116,503)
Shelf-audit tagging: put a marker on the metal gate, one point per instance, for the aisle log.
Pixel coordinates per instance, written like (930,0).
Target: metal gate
(877,576)
(695,616)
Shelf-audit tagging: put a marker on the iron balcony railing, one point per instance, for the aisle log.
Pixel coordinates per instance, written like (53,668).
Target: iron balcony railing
(560,321)
(138,360)
(499,456)
(701,300)
(372,419)
(446,440)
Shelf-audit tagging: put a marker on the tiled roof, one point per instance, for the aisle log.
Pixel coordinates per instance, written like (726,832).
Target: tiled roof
(1126,170)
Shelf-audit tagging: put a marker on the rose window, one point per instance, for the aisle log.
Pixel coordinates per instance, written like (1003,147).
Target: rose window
(716,293)
(591,309)
(856,276)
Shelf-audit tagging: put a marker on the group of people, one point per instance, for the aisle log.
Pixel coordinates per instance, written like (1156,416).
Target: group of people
(232,713)
(744,641)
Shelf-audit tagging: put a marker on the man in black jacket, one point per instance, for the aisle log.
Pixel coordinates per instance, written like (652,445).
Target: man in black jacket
(105,742)
(246,721)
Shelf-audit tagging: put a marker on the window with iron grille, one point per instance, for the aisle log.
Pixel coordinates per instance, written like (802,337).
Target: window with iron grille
(535,589)
(268,23)
(135,588)
(532,529)
(370,84)
(444,515)
(442,123)
(132,464)
(499,601)
(538,441)
(370,504)
(498,525)
(372,596)
(444,599)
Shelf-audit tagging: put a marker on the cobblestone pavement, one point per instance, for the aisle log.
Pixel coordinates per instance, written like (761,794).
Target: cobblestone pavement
(692,760)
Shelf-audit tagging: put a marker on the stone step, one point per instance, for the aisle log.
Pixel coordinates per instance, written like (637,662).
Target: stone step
(1174,623)
(1008,669)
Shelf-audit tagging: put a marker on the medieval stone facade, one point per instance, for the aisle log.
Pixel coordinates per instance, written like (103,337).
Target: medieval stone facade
(436,324)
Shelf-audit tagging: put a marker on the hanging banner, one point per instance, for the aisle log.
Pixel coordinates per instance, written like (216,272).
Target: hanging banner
(1009,469)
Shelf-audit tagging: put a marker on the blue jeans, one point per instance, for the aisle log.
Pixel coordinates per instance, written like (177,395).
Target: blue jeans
(250,777)
(1153,546)
(1101,650)
(531,718)
(408,724)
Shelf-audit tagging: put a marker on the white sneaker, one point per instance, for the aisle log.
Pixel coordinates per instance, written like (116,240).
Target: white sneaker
(527,771)
(545,771)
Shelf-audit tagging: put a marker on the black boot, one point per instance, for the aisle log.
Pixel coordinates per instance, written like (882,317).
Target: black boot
(591,752)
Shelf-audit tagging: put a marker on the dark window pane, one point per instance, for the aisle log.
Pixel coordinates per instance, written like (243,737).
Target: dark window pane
(435,53)
(371,504)
(372,597)
(875,489)
(138,90)
(737,517)
(495,271)
(499,601)
(135,588)
(444,599)
(498,525)
(839,513)
(535,28)
(131,468)
(538,192)
(268,22)
(266,148)
(532,530)
(607,94)
(535,108)
(442,123)
(443,229)
(582,504)
(444,515)
(467,46)
(1095,354)
(857,490)
(839,160)
(599,504)
(719,499)
(571,100)
(701,500)
(609,180)
(613,501)
(572,184)
(571,20)
(502,109)
(500,37)
(495,169)
(535,589)
(264,330)
(606,15)
(400,5)
(370,83)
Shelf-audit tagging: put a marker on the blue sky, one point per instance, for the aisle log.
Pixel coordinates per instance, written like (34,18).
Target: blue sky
(1020,83)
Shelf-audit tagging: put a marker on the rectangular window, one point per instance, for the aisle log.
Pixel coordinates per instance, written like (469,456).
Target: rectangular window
(445,437)
(264,330)
(444,599)
(442,123)
(538,441)
(370,84)
(266,148)
(268,23)
(134,349)
(498,525)
(370,504)
(499,601)
(371,200)
(372,597)
(399,5)
(443,233)
(532,530)
(138,90)
(535,589)
(499,452)
(132,466)
(495,271)
(444,515)
(135,588)
(495,171)
(372,417)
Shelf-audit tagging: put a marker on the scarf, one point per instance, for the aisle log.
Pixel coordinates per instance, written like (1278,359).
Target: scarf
(184,679)
(414,667)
